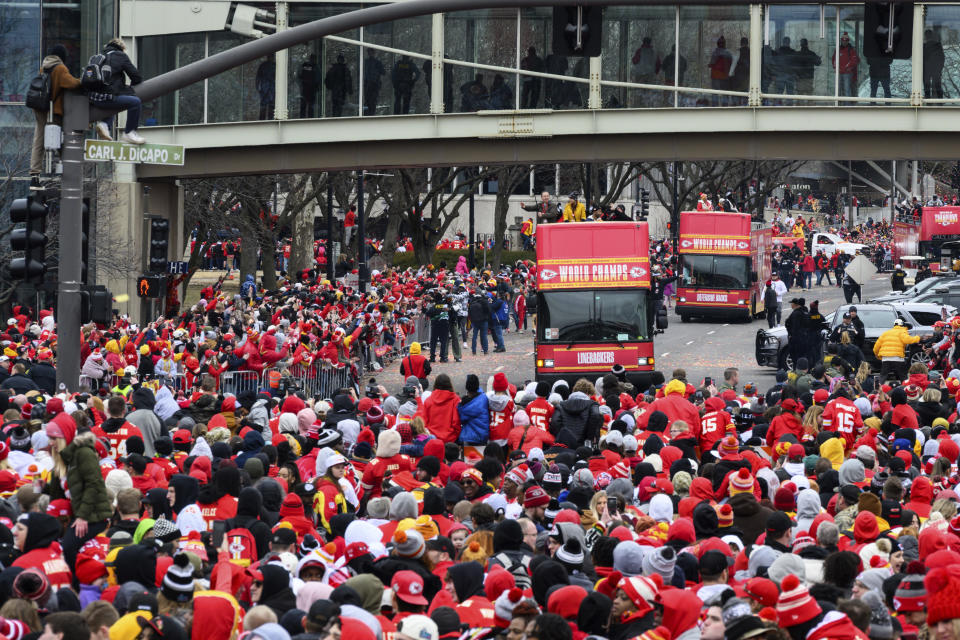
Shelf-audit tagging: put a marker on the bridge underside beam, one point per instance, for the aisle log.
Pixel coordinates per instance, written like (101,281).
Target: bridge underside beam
(812,133)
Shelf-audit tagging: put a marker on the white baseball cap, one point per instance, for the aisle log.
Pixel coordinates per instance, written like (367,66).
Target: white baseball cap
(418,627)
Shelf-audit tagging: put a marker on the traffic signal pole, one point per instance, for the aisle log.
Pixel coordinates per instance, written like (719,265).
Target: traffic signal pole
(75,122)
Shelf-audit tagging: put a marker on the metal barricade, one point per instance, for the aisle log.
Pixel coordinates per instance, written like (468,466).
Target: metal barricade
(237,382)
(322,380)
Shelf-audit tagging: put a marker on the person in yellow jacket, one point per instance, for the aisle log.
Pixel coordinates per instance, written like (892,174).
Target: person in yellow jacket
(575,211)
(890,349)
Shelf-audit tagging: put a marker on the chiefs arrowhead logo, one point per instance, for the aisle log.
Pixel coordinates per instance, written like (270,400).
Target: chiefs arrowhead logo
(547,274)
(415,588)
(686,243)
(637,272)
(742,244)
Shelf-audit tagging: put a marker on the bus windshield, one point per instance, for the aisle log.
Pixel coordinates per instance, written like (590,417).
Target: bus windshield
(617,315)
(716,272)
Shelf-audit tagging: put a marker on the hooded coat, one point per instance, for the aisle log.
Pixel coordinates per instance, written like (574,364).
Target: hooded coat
(681,613)
(88,492)
(185,490)
(252,444)
(249,511)
(137,563)
(276,593)
(145,419)
(749,516)
(41,550)
(474,419)
(439,413)
(576,420)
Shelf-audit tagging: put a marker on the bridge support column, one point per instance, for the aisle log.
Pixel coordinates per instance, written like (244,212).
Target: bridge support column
(916,60)
(595,100)
(436,64)
(281,110)
(756,54)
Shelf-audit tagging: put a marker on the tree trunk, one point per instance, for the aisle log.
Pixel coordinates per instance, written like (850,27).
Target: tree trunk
(268,251)
(390,238)
(499,228)
(301,247)
(423,248)
(248,253)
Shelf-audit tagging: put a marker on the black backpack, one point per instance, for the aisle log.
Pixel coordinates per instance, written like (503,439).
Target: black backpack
(39,92)
(98,73)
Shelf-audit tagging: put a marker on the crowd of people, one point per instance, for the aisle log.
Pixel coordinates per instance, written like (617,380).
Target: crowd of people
(157,504)
(821,508)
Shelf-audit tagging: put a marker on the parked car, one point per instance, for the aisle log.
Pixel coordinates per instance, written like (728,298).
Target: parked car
(771,344)
(911,293)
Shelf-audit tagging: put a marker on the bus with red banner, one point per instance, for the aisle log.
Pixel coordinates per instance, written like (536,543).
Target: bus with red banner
(594,305)
(724,263)
(935,236)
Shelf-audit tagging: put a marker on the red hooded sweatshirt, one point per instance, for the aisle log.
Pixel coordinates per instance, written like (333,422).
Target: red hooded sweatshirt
(439,413)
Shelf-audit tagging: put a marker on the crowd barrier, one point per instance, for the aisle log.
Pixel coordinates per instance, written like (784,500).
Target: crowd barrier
(237,382)
(176,382)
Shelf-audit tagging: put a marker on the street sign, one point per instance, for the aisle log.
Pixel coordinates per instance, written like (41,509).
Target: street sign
(860,269)
(176,267)
(107,151)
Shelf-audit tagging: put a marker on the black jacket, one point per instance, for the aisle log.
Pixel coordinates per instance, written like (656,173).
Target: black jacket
(19,383)
(576,420)
(121,68)
(45,376)
(478,309)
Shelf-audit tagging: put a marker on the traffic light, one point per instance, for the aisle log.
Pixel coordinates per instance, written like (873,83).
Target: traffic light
(644,204)
(150,286)
(101,305)
(159,244)
(888,30)
(29,239)
(576,31)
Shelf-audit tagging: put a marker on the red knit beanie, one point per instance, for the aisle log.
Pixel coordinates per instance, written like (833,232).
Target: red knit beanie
(943,594)
(949,449)
(865,527)
(795,605)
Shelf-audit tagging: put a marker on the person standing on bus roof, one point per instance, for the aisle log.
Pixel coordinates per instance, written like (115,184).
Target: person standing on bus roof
(546,211)
(704,204)
(575,211)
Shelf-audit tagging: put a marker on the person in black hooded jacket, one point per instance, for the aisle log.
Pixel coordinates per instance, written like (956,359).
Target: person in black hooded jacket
(274,589)
(137,563)
(343,409)
(510,553)
(272,499)
(577,419)
(249,516)
(546,574)
(252,444)
(467,579)
(158,503)
(185,490)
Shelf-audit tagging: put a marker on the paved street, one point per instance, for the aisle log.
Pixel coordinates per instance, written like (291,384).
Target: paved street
(702,347)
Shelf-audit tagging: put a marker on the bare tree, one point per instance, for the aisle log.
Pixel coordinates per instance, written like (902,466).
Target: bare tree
(509,178)
(407,192)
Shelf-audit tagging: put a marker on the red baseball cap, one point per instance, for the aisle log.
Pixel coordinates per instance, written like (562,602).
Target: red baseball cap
(182,436)
(60,507)
(408,586)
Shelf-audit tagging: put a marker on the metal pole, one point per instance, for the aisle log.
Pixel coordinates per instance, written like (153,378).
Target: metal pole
(361,233)
(675,214)
(849,195)
(75,123)
(588,188)
(330,265)
(893,184)
(473,239)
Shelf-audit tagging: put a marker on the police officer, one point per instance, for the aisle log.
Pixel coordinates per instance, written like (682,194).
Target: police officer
(898,278)
(439,313)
